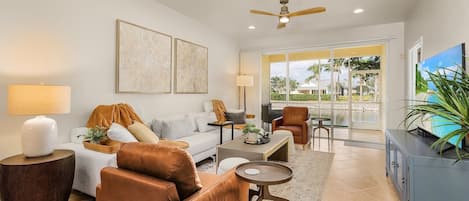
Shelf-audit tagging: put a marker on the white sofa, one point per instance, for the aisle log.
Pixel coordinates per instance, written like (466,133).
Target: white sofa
(88,164)
(202,142)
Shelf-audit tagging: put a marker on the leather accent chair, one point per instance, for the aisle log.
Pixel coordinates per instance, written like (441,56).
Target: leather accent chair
(295,120)
(149,172)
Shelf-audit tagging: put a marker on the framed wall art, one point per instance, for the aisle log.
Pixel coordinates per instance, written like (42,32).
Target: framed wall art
(191,68)
(143,59)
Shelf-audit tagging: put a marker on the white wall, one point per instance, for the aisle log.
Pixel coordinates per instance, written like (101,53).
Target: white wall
(394,88)
(72,43)
(441,24)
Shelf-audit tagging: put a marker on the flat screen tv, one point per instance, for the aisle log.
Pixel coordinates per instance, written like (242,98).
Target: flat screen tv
(452,58)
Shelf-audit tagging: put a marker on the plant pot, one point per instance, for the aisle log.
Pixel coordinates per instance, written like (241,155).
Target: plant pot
(252,137)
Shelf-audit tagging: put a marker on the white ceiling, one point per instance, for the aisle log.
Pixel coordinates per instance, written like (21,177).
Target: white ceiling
(232,17)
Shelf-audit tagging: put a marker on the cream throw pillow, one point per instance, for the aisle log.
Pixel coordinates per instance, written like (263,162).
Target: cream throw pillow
(143,133)
(118,133)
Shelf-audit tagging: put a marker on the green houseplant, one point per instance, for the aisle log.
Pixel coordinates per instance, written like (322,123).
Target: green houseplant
(452,105)
(96,135)
(252,132)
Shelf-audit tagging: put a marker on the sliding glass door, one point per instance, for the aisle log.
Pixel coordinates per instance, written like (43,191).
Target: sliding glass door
(343,84)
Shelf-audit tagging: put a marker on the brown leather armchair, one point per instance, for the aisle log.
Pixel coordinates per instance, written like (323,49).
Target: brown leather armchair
(149,172)
(294,119)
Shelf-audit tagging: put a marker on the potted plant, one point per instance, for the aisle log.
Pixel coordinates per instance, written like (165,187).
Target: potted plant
(96,135)
(452,105)
(96,139)
(252,133)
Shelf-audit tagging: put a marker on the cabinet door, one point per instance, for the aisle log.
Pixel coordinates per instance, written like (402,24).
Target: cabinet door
(401,172)
(392,160)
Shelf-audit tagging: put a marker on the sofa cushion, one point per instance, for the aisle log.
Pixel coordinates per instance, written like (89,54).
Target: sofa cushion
(296,130)
(175,129)
(143,133)
(161,161)
(118,133)
(157,123)
(200,142)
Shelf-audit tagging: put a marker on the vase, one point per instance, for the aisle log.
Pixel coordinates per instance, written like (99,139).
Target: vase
(252,137)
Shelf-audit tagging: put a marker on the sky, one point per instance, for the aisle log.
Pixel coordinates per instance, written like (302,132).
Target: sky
(299,72)
(449,59)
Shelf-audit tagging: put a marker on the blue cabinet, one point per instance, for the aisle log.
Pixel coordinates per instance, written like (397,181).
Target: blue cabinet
(396,168)
(419,173)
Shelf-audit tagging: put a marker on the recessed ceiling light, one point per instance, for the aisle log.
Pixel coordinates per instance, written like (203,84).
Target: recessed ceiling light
(251,27)
(358,10)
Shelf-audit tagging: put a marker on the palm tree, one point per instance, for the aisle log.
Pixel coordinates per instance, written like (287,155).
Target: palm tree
(315,70)
(279,85)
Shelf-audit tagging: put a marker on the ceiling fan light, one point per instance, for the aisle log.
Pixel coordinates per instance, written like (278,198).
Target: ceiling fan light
(284,19)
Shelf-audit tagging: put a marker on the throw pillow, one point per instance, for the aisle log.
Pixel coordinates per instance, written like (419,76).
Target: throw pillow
(236,118)
(202,124)
(143,133)
(178,128)
(118,133)
(164,162)
(194,116)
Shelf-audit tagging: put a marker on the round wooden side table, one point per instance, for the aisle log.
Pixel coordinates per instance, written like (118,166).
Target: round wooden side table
(269,173)
(47,178)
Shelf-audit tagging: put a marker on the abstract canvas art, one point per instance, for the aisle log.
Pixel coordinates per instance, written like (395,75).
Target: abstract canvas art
(191,74)
(143,60)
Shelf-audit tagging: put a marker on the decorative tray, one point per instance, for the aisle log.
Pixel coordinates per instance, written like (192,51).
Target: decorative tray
(109,148)
(259,141)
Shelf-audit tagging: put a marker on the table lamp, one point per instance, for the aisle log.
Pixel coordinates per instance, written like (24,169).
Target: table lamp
(245,81)
(39,134)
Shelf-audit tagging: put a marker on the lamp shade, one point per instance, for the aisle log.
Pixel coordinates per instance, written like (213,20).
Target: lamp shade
(245,80)
(38,99)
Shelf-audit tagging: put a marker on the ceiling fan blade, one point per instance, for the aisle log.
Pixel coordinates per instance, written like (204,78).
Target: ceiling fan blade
(260,12)
(281,25)
(307,11)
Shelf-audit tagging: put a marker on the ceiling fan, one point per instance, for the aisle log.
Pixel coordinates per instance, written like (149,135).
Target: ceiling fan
(285,15)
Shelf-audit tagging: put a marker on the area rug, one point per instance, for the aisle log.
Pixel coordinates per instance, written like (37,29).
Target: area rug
(310,172)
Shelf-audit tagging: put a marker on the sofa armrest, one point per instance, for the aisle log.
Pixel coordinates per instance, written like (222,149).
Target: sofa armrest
(277,122)
(229,188)
(123,185)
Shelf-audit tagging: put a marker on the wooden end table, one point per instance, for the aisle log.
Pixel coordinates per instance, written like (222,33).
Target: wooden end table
(47,178)
(270,173)
(221,125)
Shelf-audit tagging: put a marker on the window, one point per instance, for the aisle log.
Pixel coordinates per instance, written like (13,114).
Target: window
(343,84)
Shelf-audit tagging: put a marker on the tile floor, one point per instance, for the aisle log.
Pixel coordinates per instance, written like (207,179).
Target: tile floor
(373,136)
(357,173)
